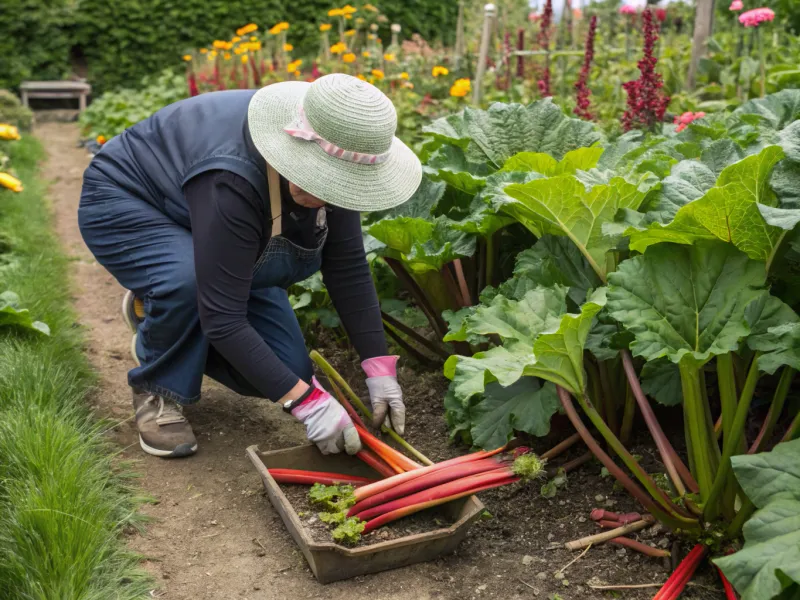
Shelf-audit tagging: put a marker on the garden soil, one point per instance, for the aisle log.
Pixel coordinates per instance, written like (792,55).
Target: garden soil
(213,533)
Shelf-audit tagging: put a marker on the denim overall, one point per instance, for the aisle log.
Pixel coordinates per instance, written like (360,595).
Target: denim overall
(152,255)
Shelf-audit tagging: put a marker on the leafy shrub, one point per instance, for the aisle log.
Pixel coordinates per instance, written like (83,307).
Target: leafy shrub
(12,111)
(115,111)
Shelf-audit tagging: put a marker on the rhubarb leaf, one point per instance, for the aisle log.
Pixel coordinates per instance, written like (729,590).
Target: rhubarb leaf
(580,159)
(561,206)
(11,315)
(688,181)
(779,346)
(525,406)
(661,380)
(685,302)
(768,566)
(449,164)
(504,364)
(729,211)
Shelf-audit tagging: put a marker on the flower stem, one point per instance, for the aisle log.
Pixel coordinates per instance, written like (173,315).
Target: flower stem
(762,60)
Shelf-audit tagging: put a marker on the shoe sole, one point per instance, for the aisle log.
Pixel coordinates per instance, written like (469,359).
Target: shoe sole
(181,451)
(133,351)
(128,311)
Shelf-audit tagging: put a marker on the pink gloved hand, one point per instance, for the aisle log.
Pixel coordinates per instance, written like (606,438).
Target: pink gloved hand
(327,424)
(385,394)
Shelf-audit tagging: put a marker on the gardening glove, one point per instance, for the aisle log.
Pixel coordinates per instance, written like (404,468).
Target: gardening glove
(327,424)
(385,394)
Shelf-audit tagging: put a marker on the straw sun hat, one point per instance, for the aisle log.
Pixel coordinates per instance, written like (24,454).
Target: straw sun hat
(334,138)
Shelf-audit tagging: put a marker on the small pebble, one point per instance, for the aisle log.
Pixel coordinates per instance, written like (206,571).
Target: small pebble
(599,497)
(663,543)
(541,575)
(581,519)
(527,560)
(621,552)
(550,536)
(559,575)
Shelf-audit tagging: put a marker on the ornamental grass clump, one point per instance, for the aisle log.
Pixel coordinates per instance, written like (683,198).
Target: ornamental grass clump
(646,100)
(581,87)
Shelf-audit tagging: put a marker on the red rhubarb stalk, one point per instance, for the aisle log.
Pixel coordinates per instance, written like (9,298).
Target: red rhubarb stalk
(354,416)
(386,452)
(730,594)
(428,480)
(311,477)
(376,463)
(599,514)
(678,580)
(639,547)
(410,509)
(392,481)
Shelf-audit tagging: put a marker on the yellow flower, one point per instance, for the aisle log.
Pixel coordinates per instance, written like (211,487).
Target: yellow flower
(335,12)
(212,54)
(239,49)
(249,28)
(101,139)
(325,27)
(350,32)
(12,183)
(235,39)
(348,17)
(288,47)
(244,59)
(8,132)
(338,48)
(219,44)
(365,54)
(253,38)
(371,36)
(439,70)
(227,56)
(389,57)
(359,21)
(349,10)
(460,88)
(349,57)
(274,30)
(203,50)
(293,66)
(370,8)
(283,25)
(377,74)
(403,75)
(361,77)
(187,57)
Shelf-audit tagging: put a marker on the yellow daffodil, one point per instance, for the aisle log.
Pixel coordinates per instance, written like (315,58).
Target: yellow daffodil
(439,70)
(10,182)
(325,27)
(350,32)
(227,56)
(403,75)
(8,132)
(335,12)
(349,10)
(187,57)
(338,48)
(361,77)
(288,47)
(370,8)
(389,57)
(460,88)
(378,74)
(244,59)
(349,57)
(365,54)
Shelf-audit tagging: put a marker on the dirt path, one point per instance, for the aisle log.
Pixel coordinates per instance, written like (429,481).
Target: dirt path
(210,509)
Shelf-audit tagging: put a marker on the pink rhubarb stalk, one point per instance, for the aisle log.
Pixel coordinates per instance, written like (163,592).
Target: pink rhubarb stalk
(311,477)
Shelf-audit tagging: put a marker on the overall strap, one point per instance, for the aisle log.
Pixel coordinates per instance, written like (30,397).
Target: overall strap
(274,181)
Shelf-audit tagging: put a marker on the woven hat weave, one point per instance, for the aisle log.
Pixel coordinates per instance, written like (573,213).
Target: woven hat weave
(350,120)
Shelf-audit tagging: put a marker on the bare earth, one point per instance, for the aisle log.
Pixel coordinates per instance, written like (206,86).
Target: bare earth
(214,534)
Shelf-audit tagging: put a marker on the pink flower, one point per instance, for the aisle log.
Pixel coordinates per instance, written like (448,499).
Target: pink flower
(661,14)
(752,18)
(686,118)
(736,6)
(627,9)
(533,17)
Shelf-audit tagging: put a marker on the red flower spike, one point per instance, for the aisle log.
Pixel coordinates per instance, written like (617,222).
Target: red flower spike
(583,92)
(647,102)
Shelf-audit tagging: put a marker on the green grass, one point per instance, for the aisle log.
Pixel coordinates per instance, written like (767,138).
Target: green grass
(64,499)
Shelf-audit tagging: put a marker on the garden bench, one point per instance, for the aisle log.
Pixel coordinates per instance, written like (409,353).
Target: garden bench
(55,89)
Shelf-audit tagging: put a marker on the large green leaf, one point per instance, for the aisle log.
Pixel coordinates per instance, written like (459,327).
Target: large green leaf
(775,111)
(689,181)
(685,302)
(449,164)
(419,205)
(779,346)
(523,406)
(729,211)
(768,566)
(562,206)
(581,159)
(13,316)
(661,380)
(504,364)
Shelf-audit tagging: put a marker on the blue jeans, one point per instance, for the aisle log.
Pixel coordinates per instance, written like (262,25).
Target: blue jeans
(153,256)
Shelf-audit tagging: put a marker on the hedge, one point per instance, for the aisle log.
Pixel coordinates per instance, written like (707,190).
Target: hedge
(121,41)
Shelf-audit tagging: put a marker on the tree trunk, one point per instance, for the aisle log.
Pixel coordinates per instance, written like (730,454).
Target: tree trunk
(703,20)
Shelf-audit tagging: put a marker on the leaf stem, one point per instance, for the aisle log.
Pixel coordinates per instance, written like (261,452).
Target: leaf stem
(609,410)
(775,410)
(334,376)
(730,444)
(794,427)
(694,414)
(627,416)
(421,340)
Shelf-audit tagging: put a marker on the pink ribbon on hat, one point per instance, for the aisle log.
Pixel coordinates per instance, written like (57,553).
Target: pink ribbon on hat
(303,130)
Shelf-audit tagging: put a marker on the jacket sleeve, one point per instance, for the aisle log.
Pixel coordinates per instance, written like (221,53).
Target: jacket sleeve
(227,217)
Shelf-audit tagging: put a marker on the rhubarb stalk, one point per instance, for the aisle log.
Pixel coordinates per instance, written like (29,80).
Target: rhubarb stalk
(311,477)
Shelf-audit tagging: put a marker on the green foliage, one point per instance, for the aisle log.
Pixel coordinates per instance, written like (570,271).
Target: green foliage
(349,532)
(768,567)
(65,501)
(115,111)
(13,112)
(11,315)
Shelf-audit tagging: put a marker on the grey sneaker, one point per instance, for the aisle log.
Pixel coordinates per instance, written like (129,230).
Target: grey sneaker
(132,310)
(163,430)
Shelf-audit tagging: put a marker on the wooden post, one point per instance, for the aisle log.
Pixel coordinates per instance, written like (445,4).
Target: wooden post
(82,102)
(489,12)
(24,97)
(458,50)
(702,31)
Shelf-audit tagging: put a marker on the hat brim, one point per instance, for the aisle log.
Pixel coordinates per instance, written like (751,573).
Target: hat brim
(338,182)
